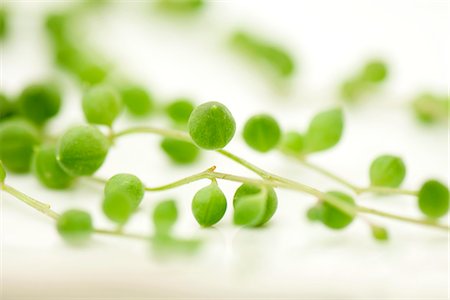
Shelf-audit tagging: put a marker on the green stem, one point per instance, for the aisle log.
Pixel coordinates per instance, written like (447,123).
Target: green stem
(46,210)
(176,134)
(37,205)
(424,222)
(357,189)
(272,180)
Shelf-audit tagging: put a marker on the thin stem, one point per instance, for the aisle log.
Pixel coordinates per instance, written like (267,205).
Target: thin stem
(37,205)
(176,134)
(357,189)
(273,180)
(425,222)
(387,190)
(46,210)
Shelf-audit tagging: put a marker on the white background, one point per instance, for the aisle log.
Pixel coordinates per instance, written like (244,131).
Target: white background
(290,258)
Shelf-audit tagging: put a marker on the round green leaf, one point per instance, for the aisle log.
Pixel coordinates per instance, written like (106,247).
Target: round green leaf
(324,131)
(387,171)
(180,110)
(128,184)
(165,216)
(434,199)
(375,71)
(40,102)
(82,150)
(209,205)
(180,152)
(118,206)
(17,141)
(262,133)
(332,216)
(101,105)
(211,126)
(137,100)
(75,226)
(48,170)
(292,142)
(254,205)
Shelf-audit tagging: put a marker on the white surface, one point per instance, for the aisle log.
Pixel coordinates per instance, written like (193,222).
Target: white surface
(291,258)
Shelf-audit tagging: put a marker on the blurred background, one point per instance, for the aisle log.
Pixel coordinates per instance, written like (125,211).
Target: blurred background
(191,52)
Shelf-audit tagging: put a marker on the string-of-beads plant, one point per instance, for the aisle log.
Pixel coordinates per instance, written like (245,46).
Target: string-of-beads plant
(82,150)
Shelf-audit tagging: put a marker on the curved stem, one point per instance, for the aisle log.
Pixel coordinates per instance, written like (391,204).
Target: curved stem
(37,205)
(425,222)
(273,180)
(176,134)
(46,210)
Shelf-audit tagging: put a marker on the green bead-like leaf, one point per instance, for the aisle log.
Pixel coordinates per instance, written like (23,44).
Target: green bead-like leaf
(379,233)
(180,152)
(17,141)
(127,184)
(180,110)
(165,216)
(137,100)
(254,205)
(262,133)
(118,206)
(47,169)
(82,150)
(102,105)
(75,226)
(375,71)
(292,142)
(40,102)
(332,216)
(209,205)
(387,171)
(434,199)
(324,131)
(211,126)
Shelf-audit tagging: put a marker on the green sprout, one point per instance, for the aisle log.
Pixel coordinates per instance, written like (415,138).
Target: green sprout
(8,108)
(379,233)
(211,126)
(262,133)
